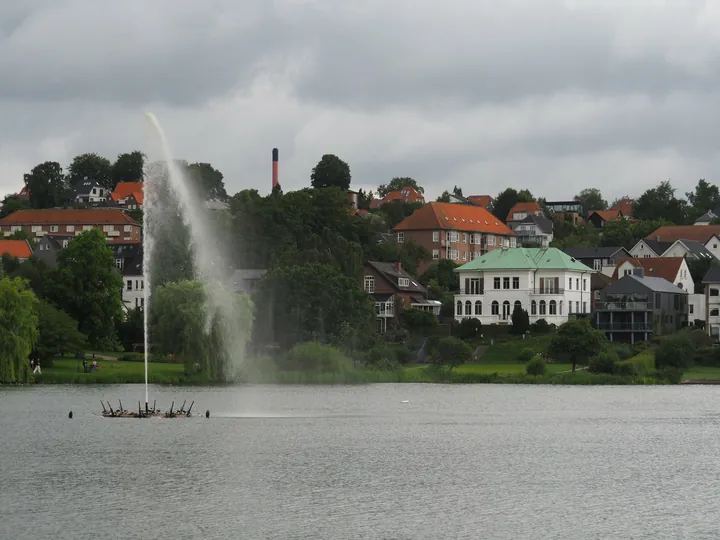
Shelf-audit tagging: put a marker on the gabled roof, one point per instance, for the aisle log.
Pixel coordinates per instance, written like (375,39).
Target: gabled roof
(69,216)
(599,281)
(55,241)
(655,284)
(585,253)
(707,217)
(670,233)
(544,224)
(85,187)
(695,248)
(529,207)
(667,268)
(713,275)
(525,259)
(391,274)
(607,215)
(16,248)
(125,189)
(456,217)
(480,200)
(407,194)
(626,206)
(657,247)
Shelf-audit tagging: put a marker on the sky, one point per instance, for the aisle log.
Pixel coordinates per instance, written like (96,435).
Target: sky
(549,95)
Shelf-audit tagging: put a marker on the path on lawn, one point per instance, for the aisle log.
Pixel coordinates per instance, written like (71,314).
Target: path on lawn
(576,369)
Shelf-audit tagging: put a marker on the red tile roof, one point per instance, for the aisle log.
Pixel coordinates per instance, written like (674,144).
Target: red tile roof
(626,206)
(606,215)
(407,194)
(125,189)
(24,193)
(456,217)
(482,200)
(672,233)
(69,216)
(529,207)
(662,267)
(15,248)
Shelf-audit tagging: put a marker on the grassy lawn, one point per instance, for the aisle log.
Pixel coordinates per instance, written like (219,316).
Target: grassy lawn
(700,373)
(509,351)
(67,370)
(501,369)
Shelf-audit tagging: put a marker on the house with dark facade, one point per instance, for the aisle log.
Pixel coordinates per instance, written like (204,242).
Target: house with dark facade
(393,290)
(533,231)
(636,308)
(602,259)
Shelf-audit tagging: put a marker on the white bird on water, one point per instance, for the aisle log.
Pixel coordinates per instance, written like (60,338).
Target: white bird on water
(405,401)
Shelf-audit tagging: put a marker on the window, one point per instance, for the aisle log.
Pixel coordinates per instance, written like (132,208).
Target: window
(597,264)
(543,307)
(464,238)
(454,254)
(516,283)
(577,284)
(691,309)
(129,285)
(513,241)
(627,272)
(495,308)
(41,247)
(676,301)
(714,292)
(119,263)
(65,243)
(517,305)
(53,228)
(127,228)
(569,307)
(478,307)
(490,240)
(570,284)
(472,286)
(553,307)
(403,282)
(577,306)
(436,236)
(459,308)
(94,191)
(369,284)
(715,312)
(70,228)
(87,227)
(472,238)
(496,283)
(464,255)
(35,228)
(533,308)
(549,285)
(584,307)
(468,308)
(506,283)
(584,284)
(401,238)
(561,305)
(436,254)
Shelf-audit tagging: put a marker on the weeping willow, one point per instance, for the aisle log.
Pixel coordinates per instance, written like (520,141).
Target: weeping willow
(18,329)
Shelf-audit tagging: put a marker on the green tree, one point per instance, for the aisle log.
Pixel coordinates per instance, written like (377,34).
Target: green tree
(535,366)
(418,320)
(46,185)
(13,203)
(208,181)
(331,171)
(584,235)
(626,233)
(505,200)
(131,329)
(128,167)
(705,197)
(365,199)
(90,167)
(58,333)
(36,273)
(87,286)
(396,184)
(444,197)
(591,199)
(443,273)
(396,211)
(451,352)
(660,201)
(576,342)
(18,330)
(520,321)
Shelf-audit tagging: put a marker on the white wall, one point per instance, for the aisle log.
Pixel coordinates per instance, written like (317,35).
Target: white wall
(133,296)
(713,316)
(713,246)
(676,250)
(642,251)
(529,285)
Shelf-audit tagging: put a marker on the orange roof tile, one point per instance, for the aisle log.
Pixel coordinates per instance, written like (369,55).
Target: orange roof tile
(607,215)
(482,200)
(456,217)
(671,233)
(68,216)
(626,206)
(529,207)
(662,267)
(407,194)
(125,189)
(15,248)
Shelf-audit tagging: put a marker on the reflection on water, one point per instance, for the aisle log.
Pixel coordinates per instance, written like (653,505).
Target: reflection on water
(479,461)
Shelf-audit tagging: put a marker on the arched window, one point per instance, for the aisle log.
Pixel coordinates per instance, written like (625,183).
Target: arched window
(478,307)
(518,304)
(459,307)
(561,307)
(495,308)
(542,307)
(533,308)
(468,308)
(553,307)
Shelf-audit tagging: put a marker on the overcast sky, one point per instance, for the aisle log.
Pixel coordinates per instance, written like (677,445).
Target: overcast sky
(550,95)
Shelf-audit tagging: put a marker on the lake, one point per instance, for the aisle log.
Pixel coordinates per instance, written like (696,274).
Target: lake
(456,462)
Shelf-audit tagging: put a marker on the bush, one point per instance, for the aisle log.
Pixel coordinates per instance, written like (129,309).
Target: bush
(643,363)
(669,375)
(469,329)
(675,351)
(316,357)
(708,356)
(540,326)
(536,366)
(418,320)
(625,370)
(451,352)
(525,356)
(604,362)
(520,321)
(623,351)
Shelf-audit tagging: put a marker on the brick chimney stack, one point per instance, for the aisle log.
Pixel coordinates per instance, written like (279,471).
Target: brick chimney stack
(274,167)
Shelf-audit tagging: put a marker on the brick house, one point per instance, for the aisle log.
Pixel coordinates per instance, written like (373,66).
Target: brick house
(459,232)
(66,222)
(393,290)
(20,249)
(599,218)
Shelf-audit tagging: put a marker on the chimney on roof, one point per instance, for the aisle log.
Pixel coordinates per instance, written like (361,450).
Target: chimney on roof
(657,238)
(639,272)
(274,167)
(398,267)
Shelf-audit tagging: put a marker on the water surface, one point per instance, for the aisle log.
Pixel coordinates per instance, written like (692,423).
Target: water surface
(478,461)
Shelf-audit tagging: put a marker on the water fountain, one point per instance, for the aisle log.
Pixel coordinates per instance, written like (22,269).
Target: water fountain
(209,268)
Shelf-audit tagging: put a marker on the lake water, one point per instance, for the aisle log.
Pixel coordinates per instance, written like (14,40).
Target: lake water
(456,462)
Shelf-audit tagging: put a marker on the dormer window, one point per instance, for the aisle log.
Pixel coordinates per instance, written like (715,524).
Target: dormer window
(403,282)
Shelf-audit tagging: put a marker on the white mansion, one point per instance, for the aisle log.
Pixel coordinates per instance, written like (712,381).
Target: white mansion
(546,282)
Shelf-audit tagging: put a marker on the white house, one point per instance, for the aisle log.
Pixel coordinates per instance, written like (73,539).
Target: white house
(533,231)
(712,302)
(547,283)
(705,219)
(647,249)
(90,191)
(133,292)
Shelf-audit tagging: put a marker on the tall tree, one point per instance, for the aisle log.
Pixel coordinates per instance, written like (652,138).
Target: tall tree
(507,199)
(576,342)
(457,191)
(13,203)
(626,233)
(128,167)
(87,286)
(18,330)
(90,167)
(705,197)
(591,199)
(208,181)
(660,202)
(47,185)
(331,171)
(396,184)
(365,199)
(444,197)
(58,333)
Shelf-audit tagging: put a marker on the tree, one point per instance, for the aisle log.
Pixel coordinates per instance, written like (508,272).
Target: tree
(520,321)
(660,201)
(208,181)
(46,185)
(87,286)
(396,211)
(699,268)
(365,199)
(584,235)
(13,203)
(443,273)
(576,342)
(535,366)
(469,329)
(331,171)
(18,330)
(504,202)
(131,329)
(396,184)
(444,197)
(451,352)
(418,320)
(58,333)
(591,199)
(626,233)
(90,167)
(457,191)
(128,167)
(705,197)
(36,273)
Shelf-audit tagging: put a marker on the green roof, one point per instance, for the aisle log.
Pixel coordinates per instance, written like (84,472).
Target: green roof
(525,259)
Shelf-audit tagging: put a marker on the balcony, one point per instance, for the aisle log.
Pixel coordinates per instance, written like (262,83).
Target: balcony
(549,291)
(623,306)
(625,326)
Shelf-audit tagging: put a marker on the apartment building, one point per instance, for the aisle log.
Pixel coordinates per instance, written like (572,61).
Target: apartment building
(67,222)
